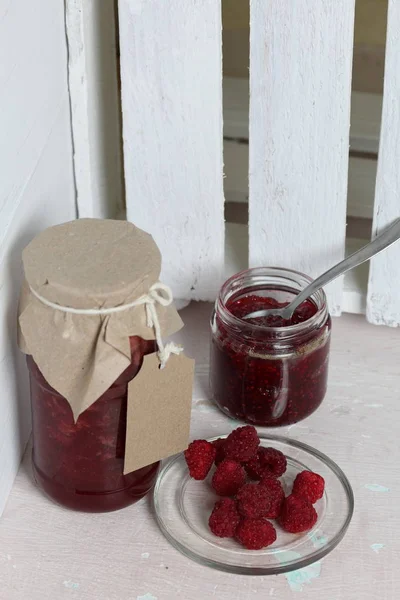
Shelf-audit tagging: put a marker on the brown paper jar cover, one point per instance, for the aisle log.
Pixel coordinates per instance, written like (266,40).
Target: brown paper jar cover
(80,366)
(86,264)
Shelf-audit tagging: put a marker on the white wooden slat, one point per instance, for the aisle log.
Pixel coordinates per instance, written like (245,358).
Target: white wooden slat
(364,138)
(365,120)
(171,82)
(360,190)
(383,301)
(300,76)
(95,107)
(36,186)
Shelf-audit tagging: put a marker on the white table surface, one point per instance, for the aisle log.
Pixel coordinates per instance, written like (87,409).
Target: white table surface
(48,553)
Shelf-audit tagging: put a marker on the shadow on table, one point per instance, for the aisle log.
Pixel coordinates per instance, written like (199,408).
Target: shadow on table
(195,338)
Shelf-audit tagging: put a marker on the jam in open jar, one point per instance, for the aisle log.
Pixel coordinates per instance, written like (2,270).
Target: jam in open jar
(80,465)
(264,370)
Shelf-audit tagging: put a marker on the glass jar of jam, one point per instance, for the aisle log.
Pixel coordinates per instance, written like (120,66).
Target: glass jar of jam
(264,370)
(92,317)
(80,465)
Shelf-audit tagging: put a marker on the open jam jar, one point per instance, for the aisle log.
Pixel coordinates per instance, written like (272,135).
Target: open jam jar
(80,465)
(264,370)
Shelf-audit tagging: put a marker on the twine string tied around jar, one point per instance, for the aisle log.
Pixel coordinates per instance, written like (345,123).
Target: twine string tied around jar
(158,293)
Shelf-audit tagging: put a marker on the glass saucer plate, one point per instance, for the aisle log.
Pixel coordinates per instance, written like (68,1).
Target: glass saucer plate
(183,506)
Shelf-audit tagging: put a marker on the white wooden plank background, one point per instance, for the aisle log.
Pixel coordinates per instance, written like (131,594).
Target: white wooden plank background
(95,107)
(172,129)
(36,186)
(49,553)
(383,302)
(366,109)
(364,138)
(300,75)
(360,188)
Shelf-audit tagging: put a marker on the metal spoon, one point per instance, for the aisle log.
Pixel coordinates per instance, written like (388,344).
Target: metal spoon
(382,241)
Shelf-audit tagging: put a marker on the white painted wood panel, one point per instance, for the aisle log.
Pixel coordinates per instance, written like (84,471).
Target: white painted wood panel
(383,302)
(365,117)
(36,185)
(360,189)
(171,81)
(95,106)
(364,138)
(300,76)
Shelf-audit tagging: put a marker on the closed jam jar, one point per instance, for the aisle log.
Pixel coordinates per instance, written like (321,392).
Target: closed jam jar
(80,465)
(264,370)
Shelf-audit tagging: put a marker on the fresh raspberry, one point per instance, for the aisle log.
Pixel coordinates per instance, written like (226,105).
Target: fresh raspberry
(297,514)
(255,534)
(267,475)
(253,467)
(276,496)
(274,460)
(228,478)
(224,518)
(219,447)
(242,443)
(309,485)
(200,457)
(253,501)
(267,461)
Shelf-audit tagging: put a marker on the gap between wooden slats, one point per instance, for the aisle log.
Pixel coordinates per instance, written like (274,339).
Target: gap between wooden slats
(172,128)
(383,299)
(300,76)
(95,107)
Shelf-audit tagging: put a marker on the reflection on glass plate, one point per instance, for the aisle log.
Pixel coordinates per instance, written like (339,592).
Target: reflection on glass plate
(183,506)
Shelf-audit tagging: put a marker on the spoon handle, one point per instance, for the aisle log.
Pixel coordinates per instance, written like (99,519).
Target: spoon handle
(382,241)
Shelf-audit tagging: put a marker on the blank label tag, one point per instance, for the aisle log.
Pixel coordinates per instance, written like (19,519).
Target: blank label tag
(158,414)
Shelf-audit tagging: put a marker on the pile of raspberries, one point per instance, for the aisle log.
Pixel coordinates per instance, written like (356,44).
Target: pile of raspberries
(245,506)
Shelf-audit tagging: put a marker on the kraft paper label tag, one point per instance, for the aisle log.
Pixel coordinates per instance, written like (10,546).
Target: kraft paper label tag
(158,413)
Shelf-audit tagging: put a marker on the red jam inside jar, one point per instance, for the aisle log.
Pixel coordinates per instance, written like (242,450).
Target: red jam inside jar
(264,370)
(80,465)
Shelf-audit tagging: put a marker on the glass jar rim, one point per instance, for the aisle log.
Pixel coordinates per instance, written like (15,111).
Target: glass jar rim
(319,299)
